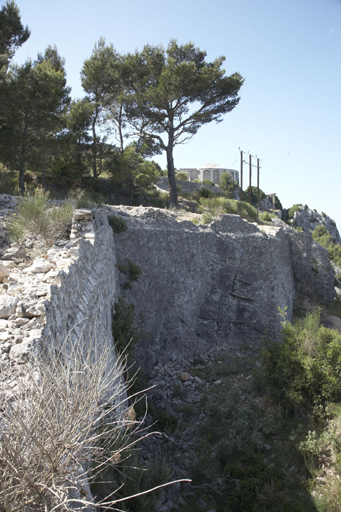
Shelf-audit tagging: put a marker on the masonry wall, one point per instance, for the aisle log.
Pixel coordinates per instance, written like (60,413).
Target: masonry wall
(203,286)
(82,305)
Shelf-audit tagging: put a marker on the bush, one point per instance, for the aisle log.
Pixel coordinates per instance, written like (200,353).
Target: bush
(204,192)
(131,270)
(117,224)
(83,198)
(181,176)
(220,205)
(293,209)
(124,328)
(254,193)
(305,370)
(37,215)
(156,198)
(227,184)
(69,411)
(8,182)
(324,238)
(208,183)
(266,217)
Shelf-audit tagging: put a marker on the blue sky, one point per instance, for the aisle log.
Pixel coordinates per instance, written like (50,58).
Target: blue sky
(288,51)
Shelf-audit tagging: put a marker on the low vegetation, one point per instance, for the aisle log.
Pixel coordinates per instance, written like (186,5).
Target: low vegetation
(323,237)
(37,215)
(117,224)
(216,205)
(70,409)
(267,430)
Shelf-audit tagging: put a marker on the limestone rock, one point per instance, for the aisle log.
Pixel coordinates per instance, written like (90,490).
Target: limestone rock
(3,271)
(19,352)
(16,251)
(7,305)
(185,376)
(308,220)
(39,266)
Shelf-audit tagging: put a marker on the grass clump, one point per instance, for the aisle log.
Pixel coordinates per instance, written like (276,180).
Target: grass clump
(266,216)
(220,205)
(64,416)
(124,328)
(37,215)
(117,224)
(324,238)
(132,271)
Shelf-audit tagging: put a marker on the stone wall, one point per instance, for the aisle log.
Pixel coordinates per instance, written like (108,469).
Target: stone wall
(83,301)
(203,286)
(65,294)
(186,186)
(67,291)
(190,187)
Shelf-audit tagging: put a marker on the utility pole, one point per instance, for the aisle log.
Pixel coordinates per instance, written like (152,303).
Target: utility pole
(257,188)
(242,161)
(250,175)
(241,175)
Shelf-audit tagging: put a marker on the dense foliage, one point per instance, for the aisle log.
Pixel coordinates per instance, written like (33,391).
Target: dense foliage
(12,34)
(305,370)
(323,237)
(153,99)
(303,375)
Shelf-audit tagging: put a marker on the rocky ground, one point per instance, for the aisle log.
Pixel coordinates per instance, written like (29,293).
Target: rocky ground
(28,269)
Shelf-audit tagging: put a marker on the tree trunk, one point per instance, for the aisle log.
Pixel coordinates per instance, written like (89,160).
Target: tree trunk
(120,129)
(94,150)
(171,175)
(43,178)
(21,179)
(22,167)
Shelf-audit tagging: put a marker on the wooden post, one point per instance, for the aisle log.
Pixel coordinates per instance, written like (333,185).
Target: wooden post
(257,188)
(250,174)
(241,176)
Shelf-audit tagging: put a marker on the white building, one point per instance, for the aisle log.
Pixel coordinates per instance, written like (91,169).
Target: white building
(210,172)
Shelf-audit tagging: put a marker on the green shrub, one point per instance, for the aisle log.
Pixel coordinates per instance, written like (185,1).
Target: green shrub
(87,198)
(118,224)
(124,328)
(131,270)
(204,192)
(278,204)
(8,182)
(208,183)
(164,420)
(293,209)
(305,370)
(181,176)
(266,217)
(324,238)
(220,205)
(254,195)
(227,184)
(156,198)
(37,215)
(207,217)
